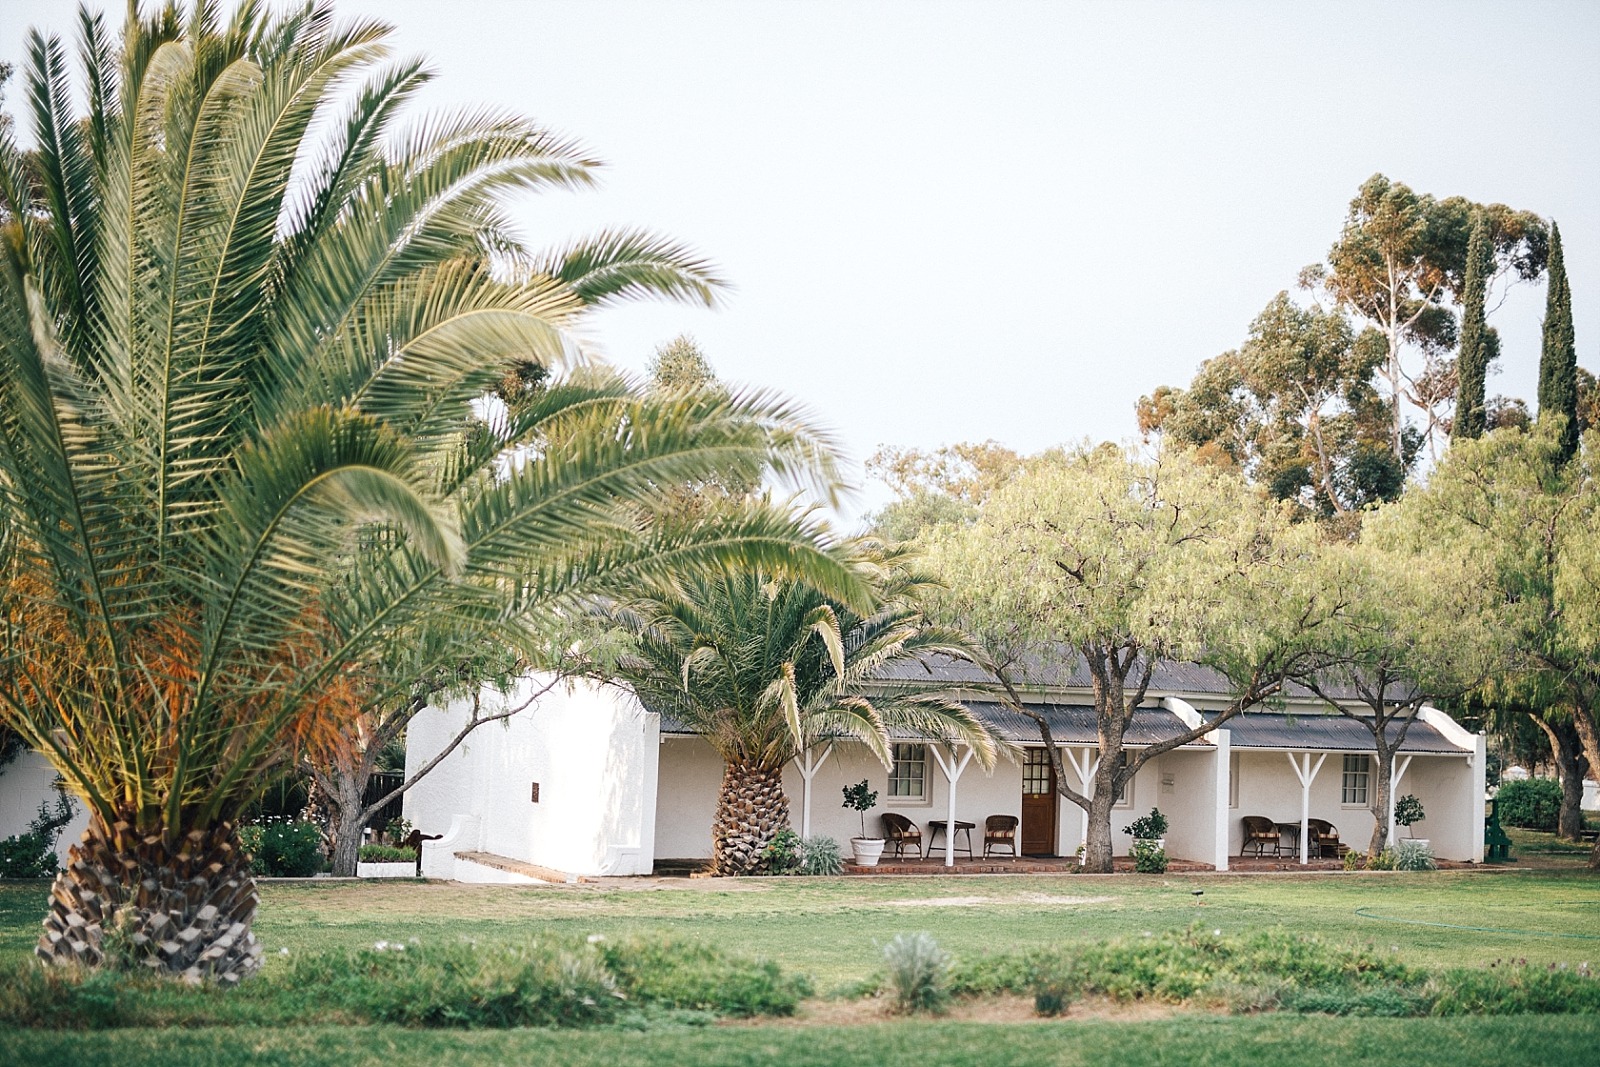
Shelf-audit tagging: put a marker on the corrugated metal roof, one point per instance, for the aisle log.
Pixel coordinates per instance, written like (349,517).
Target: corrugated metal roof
(1074,724)
(1327,733)
(1066,669)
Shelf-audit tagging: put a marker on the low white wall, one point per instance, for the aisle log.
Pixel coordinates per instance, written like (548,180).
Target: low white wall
(591,749)
(25,783)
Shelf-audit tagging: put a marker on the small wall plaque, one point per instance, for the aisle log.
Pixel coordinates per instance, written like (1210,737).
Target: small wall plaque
(535,796)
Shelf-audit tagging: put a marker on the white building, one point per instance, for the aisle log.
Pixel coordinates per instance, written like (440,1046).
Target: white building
(25,783)
(592,783)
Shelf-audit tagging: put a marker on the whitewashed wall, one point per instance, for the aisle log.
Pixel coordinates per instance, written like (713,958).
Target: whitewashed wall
(592,749)
(25,783)
(1268,786)
(691,774)
(1181,784)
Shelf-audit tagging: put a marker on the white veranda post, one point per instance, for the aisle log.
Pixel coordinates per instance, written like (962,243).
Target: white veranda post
(952,766)
(1307,773)
(1086,771)
(809,763)
(1397,771)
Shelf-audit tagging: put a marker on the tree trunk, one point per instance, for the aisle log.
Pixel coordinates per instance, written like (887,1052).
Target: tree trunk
(1382,802)
(1583,719)
(349,821)
(751,808)
(1097,850)
(130,900)
(1566,752)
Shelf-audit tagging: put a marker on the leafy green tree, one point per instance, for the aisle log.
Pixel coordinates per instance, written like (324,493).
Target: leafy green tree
(946,484)
(1126,563)
(1400,256)
(763,667)
(1294,408)
(245,317)
(1527,517)
(1417,624)
(1472,363)
(1558,358)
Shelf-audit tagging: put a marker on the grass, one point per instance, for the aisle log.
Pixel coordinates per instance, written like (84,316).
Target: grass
(834,928)
(1260,1041)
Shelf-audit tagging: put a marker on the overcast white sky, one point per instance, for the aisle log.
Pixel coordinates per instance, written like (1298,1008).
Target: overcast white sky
(957,221)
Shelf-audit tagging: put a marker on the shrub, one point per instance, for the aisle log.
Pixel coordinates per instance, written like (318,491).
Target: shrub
(1414,856)
(32,853)
(782,854)
(919,973)
(1149,858)
(1532,803)
(1257,972)
(820,855)
(861,799)
(1148,827)
(1408,810)
(539,983)
(555,981)
(1516,990)
(283,848)
(386,854)
(686,974)
(1383,861)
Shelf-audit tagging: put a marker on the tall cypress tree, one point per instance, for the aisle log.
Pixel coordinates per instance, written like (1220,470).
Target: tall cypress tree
(1472,365)
(1558,362)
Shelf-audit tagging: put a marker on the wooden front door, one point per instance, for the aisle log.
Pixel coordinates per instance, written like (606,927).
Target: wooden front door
(1038,804)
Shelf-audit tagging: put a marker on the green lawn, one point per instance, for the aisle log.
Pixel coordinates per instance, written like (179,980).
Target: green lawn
(1192,1041)
(830,928)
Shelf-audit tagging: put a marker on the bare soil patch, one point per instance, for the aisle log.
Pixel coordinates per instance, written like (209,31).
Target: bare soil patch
(998,1009)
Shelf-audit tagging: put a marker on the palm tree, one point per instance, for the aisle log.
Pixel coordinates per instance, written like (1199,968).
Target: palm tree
(244,321)
(762,667)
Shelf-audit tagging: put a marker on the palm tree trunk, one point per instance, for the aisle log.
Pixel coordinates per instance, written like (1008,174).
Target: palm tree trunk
(180,906)
(751,808)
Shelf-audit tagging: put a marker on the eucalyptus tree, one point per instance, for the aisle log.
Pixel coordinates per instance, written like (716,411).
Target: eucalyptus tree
(762,667)
(1295,408)
(1400,257)
(245,319)
(1127,563)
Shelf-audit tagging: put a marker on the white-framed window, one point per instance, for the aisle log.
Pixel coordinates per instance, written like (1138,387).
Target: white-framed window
(1233,779)
(1124,798)
(1357,777)
(908,775)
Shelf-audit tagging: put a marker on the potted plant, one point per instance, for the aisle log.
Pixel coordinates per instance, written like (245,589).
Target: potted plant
(868,850)
(1407,812)
(1149,842)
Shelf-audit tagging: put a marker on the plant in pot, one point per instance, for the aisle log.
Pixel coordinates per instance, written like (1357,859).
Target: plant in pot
(867,849)
(1408,812)
(1149,842)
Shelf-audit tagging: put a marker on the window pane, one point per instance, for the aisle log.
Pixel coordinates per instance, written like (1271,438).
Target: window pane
(1036,773)
(906,777)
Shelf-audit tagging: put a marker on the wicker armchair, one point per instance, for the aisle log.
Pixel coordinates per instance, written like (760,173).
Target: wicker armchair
(1323,840)
(900,832)
(1261,832)
(1000,831)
